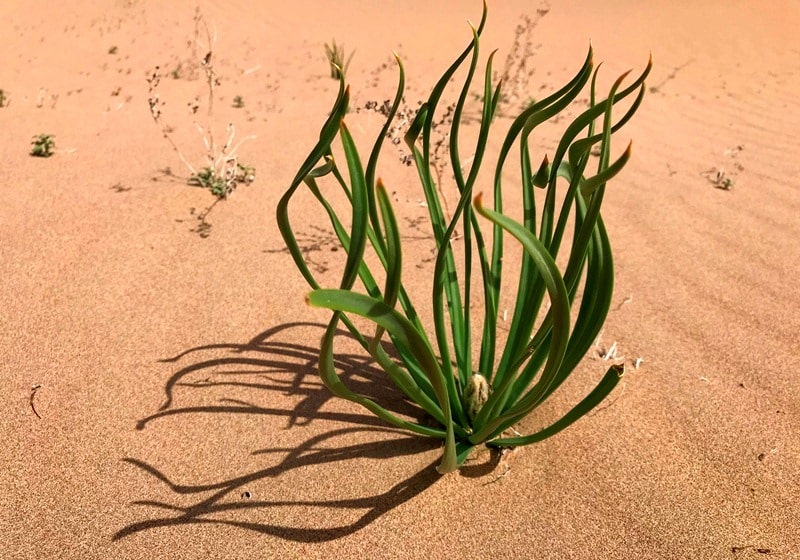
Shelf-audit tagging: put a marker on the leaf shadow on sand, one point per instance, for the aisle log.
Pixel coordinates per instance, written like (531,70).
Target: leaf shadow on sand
(290,368)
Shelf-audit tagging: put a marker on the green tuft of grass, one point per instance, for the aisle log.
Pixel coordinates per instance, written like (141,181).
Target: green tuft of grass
(474,392)
(42,145)
(223,183)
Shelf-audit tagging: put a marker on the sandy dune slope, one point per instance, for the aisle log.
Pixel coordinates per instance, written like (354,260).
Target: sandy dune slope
(171,362)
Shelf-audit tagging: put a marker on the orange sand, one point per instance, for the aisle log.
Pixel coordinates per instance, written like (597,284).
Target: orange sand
(181,416)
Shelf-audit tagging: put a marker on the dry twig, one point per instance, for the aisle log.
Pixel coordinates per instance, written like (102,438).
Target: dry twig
(33,394)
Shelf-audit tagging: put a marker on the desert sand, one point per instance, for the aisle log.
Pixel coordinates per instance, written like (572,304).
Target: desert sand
(160,391)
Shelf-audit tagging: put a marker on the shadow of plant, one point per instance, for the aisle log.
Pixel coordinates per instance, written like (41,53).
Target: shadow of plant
(286,367)
(269,363)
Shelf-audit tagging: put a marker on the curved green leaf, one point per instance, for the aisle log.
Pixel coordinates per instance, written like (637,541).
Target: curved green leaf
(559,300)
(404,334)
(606,385)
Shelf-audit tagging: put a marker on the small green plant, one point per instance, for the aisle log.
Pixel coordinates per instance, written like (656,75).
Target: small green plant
(3,98)
(220,185)
(112,49)
(238,102)
(475,394)
(222,171)
(722,181)
(42,145)
(336,59)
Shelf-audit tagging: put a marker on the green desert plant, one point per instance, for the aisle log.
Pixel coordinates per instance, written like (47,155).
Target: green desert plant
(474,393)
(220,184)
(42,145)
(336,59)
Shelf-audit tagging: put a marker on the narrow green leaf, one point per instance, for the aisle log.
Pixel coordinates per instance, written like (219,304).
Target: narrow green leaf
(372,163)
(590,185)
(405,334)
(360,202)
(606,385)
(320,150)
(559,300)
(394,256)
(331,379)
